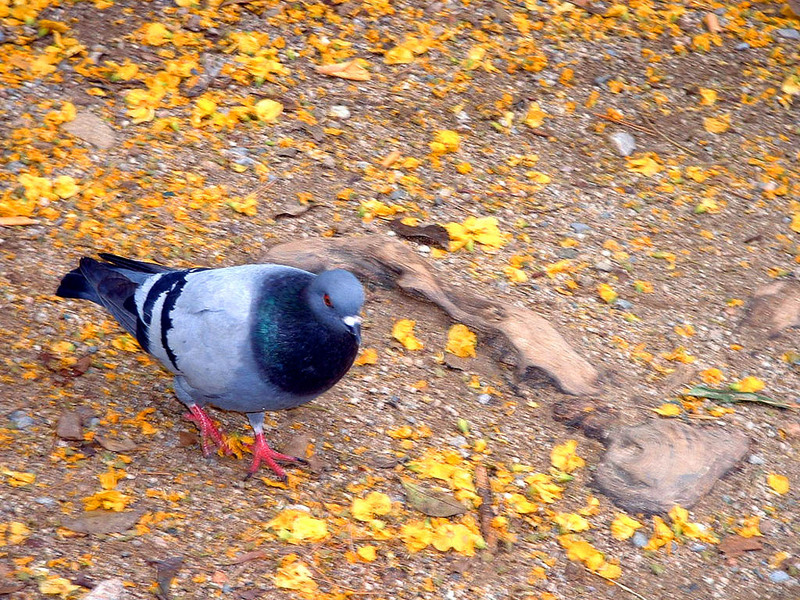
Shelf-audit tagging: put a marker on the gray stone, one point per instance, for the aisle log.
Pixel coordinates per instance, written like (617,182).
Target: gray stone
(779,577)
(20,419)
(695,547)
(339,112)
(110,589)
(624,143)
(604,265)
(788,33)
(623,304)
(603,79)
(566,253)
(755,459)
(579,227)
(742,46)
(639,539)
(398,195)
(91,129)
(15,166)
(485,398)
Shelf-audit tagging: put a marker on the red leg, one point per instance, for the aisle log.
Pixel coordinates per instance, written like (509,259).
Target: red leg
(209,434)
(262,451)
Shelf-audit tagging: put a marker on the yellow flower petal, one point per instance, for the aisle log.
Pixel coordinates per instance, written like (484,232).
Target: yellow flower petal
(623,527)
(668,410)
(563,457)
(778,483)
(403,332)
(268,110)
(461,341)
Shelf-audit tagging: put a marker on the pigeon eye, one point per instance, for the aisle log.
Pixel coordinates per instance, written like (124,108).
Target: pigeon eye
(327,300)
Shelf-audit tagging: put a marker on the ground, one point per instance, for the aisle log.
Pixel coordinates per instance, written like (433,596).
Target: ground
(219,138)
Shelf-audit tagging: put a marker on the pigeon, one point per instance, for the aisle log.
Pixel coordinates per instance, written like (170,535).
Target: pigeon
(249,339)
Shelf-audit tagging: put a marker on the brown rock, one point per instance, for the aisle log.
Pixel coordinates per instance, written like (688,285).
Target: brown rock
(651,467)
(91,129)
(69,426)
(96,522)
(773,308)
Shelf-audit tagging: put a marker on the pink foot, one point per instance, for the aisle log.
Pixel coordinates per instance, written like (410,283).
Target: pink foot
(209,434)
(262,451)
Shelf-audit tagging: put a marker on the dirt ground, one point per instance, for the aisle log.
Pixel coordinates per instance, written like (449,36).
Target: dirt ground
(191,167)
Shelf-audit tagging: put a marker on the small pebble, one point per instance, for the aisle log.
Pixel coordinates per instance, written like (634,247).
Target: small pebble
(742,46)
(566,253)
(20,419)
(779,576)
(623,304)
(604,265)
(15,166)
(398,195)
(46,501)
(484,398)
(788,33)
(339,111)
(639,539)
(603,79)
(755,459)
(698,547)
(579,227)
(624,143)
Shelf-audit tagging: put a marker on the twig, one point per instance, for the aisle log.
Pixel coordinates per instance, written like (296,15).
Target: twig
(619,585)
(666,137)
(625,123)
(485,510)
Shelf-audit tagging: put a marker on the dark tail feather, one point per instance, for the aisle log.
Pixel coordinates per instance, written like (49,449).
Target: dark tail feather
(75,285)
(101,283)
(134,265)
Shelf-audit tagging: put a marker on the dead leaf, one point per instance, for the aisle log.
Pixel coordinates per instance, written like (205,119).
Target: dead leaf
(294,210)
(299,446)
(435,235)
(248,556)
(69,426)
(79,368)
(351,69)
(390,159)
(734,546)
(97,522)
(119,445)
(712,23)
(186,439)
(9,587)
(16,221)
(432,503)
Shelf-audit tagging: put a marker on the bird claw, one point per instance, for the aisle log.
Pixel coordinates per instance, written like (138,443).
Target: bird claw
(210,436)
(262,452)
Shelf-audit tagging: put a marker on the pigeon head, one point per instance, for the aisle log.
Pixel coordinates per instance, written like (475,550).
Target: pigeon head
(336,297)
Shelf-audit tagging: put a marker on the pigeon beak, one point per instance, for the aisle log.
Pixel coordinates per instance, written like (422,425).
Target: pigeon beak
(354,325)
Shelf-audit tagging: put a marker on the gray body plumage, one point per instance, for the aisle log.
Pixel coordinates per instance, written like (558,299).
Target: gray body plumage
(212,321)
(250,339)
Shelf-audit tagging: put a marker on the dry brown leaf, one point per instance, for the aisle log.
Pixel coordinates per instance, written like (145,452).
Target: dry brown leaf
(347,70)
(390,159)
(712,23)
(431,502)
(16,221)
(121,445)
(734,546)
